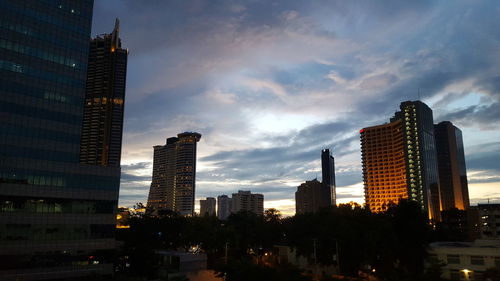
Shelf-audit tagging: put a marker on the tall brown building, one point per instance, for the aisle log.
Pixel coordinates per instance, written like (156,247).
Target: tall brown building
(101,140)
(451,163)
(384,168)
(174,171)
(312,196)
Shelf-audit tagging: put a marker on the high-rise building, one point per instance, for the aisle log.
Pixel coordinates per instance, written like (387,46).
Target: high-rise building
(411,129)
(174,172)
(104,101)
(224,205)
(328,173)
(312,196)
(207,206)
(422,174)
(57,216)
(247,202)
(451,163)
(384,168)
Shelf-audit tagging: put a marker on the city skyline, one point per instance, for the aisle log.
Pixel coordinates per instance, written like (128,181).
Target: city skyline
(273,84)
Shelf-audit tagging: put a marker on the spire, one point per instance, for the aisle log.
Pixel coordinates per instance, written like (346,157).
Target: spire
(115,40)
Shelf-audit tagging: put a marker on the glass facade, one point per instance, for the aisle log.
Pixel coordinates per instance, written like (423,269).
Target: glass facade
(55,213)
(420,155)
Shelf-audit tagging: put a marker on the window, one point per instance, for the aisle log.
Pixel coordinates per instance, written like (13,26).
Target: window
(453,259)
(477,260)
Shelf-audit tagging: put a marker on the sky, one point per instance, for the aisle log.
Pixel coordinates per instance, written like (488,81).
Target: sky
(269,83)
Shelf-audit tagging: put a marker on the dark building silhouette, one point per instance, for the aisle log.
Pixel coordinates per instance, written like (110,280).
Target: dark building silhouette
(328,173)
(414,123)
(174,172)
(224,206)
(312,196)
(452,170)
(207,206)
(57,216)
(104,101)
(246,201)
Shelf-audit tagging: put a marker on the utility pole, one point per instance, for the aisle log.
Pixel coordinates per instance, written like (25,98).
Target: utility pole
(337,257)
(225,255)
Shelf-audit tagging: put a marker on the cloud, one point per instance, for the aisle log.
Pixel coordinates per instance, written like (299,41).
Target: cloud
(270,83)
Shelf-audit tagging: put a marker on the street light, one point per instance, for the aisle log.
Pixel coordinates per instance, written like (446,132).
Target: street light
(466,273)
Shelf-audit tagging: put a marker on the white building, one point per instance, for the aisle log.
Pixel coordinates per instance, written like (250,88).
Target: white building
(465,260)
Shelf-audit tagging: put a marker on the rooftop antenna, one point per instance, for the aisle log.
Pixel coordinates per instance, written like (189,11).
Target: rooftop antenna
(418,93)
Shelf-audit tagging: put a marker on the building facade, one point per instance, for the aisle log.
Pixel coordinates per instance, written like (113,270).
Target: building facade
(101,142)
(384,168)
(207,206)
(57,216)
(224,205)
(312,196)
(406,145)
(422,174)
(451,163)
(465,261)
(174,175)
(245,201)
(489,221)
(328,174)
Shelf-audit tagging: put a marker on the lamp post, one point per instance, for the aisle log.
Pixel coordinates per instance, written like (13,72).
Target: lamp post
(466,273)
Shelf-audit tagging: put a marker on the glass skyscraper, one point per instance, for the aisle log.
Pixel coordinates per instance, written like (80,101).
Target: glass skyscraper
(57,216)
(452,170)
(328,174)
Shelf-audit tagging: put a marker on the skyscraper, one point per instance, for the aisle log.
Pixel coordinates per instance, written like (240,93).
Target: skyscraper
(328,173)
(415,124)
(207,206)
(384,168)
(224,205)
(312,196)
(451,163)
(104,101)
(174,172)
(57,216)
(247,202)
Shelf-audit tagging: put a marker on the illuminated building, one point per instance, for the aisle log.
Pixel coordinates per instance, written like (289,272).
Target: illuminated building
(57,216)
(311,196)
(101,142)
(328,174)
(248,202)
(174,172)
(451,163)
(384,168)
(406,145)
(224,205)
(207,206)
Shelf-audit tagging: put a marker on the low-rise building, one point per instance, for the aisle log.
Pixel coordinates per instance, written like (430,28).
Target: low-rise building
(465,260)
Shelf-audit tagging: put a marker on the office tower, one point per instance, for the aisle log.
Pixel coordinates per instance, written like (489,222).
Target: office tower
(451,164)
(174,171)
(328,173)
(224,205)
(207,206)
(104,101)
(422,174)
(247,202)
(57,216)
(312,196)
(384,168)
(415,123)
